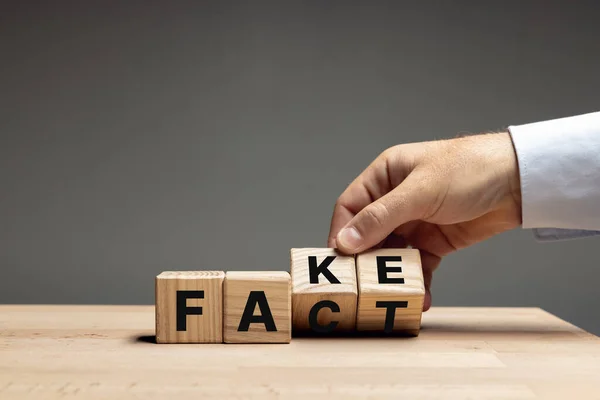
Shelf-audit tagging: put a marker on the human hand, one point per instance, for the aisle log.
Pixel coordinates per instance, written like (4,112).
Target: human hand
(437,197)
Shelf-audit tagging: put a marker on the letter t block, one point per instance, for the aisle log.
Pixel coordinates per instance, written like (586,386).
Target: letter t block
(189,307)
(391,291)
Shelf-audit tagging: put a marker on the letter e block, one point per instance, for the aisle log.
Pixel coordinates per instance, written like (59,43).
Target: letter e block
(324,290)
(258,307)
(391,291)
(189,307)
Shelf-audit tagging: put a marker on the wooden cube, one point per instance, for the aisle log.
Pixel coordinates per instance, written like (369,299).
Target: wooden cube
(324,291)
(391,291)
(258,307)
(189,307)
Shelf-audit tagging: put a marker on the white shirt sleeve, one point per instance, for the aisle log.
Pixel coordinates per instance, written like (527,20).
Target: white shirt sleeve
(559,166)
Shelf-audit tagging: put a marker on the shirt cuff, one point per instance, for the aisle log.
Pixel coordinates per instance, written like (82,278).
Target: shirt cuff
(559,166)
(555,235)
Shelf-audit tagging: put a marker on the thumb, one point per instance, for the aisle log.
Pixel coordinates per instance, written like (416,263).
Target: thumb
(379,219)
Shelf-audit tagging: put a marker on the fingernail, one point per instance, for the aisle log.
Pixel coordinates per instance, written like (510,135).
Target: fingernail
(349,238)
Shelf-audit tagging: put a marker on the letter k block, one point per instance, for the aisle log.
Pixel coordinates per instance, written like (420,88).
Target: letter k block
(391,291)
(324,290)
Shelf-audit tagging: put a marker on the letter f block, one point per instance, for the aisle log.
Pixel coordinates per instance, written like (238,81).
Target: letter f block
(324,291)
(189,307)
(391,291)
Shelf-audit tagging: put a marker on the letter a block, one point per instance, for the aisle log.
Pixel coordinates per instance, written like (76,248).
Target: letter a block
(324,290)
(258,307)
(390,291)
(189,307)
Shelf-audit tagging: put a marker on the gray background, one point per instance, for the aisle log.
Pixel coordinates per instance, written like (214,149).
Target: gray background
(138,137)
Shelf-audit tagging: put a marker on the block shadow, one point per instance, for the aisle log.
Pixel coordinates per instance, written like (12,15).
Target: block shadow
(151,339)
(352,335)
(144,339)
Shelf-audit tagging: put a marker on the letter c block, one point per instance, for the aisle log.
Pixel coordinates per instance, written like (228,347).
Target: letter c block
(324,290)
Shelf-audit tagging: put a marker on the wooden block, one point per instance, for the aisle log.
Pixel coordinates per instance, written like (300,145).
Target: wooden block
(189,307)
(324,291)
(391,291)
(258,307)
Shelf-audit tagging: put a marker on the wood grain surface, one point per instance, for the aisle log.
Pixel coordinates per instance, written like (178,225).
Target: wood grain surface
(107,352)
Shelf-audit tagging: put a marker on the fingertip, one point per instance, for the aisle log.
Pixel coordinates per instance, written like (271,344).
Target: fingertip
(427,301)
(349,240)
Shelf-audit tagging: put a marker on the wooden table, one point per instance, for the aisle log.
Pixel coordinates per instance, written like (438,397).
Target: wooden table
(93,352)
